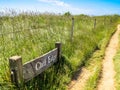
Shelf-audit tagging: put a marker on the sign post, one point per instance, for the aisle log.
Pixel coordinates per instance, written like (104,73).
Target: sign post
(23,73)
(15,63)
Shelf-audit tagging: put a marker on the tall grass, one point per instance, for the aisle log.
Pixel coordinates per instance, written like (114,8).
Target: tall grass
(31,35)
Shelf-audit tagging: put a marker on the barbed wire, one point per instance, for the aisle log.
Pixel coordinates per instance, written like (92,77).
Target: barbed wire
(25,30)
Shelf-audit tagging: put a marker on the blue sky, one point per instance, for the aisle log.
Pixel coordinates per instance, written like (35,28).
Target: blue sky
(90,7)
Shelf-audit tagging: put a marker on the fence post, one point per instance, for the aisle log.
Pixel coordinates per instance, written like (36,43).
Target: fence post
(104,20)
(95,23)
(110,20)
(16,70)
(58,46)
(72,30)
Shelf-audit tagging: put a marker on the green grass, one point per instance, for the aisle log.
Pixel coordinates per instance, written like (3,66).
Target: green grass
(38,34)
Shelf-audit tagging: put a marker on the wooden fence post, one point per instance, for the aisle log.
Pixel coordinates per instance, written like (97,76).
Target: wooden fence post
(72,30)
(16,70)
(104,20)
(95,23)
(110,20)
(58,46)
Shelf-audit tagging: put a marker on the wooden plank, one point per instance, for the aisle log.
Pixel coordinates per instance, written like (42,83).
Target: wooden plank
(28,72)
(38,65)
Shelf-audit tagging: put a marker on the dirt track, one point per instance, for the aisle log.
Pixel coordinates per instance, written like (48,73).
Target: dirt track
(107,80)
(81,80)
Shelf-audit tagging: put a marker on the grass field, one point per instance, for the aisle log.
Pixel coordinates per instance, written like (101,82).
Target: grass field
(31,35)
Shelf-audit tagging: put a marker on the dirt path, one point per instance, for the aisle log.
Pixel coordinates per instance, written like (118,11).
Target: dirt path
(79,83)
(107,79)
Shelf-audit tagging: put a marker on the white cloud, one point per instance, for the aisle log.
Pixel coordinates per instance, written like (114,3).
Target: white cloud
(65,6)
(56,2)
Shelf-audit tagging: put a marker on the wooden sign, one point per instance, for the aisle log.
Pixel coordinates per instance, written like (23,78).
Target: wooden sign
(38,65)
(23,73)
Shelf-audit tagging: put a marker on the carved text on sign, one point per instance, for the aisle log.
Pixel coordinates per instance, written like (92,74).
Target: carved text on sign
(48,60)
(40,64)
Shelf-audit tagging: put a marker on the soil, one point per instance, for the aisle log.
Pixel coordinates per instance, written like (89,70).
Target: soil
(79,83)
